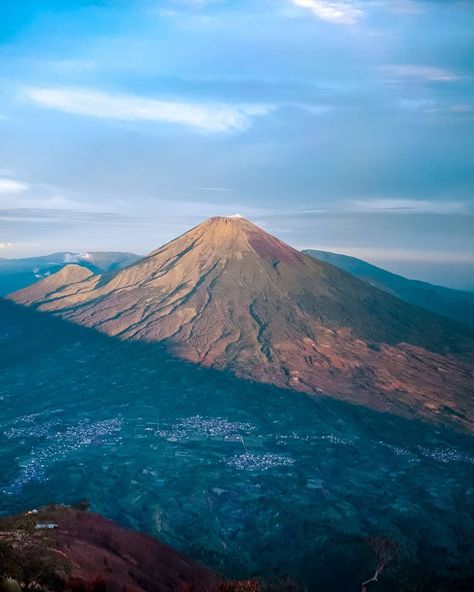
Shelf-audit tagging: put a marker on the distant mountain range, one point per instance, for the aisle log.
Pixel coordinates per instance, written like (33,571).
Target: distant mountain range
(454,304)
(228,295)
(16,274)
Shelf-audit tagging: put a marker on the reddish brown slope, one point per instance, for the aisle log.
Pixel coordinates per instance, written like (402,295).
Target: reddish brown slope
(86,552)
(125,558)
(229,295)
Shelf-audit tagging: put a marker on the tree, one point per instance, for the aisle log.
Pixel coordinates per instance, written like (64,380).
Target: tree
(82,505)
(385,551)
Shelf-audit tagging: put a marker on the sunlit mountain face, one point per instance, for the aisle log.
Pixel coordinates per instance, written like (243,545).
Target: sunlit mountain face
(228,295)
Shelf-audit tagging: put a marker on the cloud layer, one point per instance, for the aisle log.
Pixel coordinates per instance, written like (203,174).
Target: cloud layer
(410,206)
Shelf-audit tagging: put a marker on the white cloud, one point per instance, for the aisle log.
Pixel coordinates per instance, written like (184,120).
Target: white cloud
(216,189)
(428,73)
(409,206)
(6,245)
(334,12)
(59,202)
(211,117)
(12,186)
(46,198)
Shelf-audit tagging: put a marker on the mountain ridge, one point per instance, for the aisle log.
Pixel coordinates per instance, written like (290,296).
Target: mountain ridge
(457,305)
(19,273)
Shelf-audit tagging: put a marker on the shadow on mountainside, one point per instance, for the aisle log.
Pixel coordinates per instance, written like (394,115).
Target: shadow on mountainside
(355,473)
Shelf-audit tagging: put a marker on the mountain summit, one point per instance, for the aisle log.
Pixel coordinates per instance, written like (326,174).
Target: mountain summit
(229,295)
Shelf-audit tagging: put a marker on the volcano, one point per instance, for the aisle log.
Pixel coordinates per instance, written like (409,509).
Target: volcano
(228,295)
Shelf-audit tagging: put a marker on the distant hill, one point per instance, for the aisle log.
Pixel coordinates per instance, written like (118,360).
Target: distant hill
(453,304)
(16,274)
(228,295)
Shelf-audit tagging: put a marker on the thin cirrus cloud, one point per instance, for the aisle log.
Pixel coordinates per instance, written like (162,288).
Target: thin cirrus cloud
(12,186)
(428,73)
(409,206)
(214,189)
(208,117)
(333,12)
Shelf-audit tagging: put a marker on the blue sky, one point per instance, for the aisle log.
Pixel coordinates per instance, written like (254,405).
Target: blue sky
(341,125)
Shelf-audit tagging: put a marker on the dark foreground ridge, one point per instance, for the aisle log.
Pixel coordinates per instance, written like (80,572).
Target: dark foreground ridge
(59,548)
(62,548)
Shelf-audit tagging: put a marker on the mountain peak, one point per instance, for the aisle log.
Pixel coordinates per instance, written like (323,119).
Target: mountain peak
(235,237)
(233,217)
(73,272)
(227,225)
(70,274)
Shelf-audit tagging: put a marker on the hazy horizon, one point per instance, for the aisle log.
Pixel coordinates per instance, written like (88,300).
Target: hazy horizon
(386,259)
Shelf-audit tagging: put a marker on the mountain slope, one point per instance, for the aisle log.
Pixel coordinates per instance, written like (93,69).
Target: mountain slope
(453,304)
(227,294)
(16,274)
